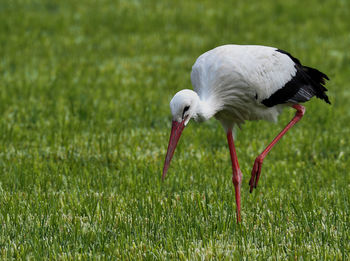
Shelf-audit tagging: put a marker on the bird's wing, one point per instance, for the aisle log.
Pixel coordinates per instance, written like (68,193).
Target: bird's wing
(265,74)
(306,83)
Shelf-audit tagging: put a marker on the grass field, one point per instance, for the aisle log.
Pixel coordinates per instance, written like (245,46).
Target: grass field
(84,124)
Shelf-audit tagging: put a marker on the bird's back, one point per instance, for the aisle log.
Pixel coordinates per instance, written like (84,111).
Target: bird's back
(257,68)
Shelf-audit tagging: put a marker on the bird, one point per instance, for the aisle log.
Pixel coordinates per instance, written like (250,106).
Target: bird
(239,83)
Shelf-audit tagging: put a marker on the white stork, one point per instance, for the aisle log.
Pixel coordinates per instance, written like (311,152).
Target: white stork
(235,83)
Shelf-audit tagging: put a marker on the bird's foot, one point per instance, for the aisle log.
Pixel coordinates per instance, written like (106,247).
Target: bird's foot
(255,173)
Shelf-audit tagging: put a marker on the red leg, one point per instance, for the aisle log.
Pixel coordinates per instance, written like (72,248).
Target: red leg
(237,174)
(259,160)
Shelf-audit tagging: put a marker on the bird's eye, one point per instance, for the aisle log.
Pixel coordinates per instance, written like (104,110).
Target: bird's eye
(185,109)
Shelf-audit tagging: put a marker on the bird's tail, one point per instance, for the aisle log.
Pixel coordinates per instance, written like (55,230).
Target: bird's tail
(318,79)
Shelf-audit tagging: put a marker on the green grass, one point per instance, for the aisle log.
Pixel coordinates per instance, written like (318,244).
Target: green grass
(85,121)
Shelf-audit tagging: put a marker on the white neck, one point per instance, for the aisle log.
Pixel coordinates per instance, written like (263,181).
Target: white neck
(205,110)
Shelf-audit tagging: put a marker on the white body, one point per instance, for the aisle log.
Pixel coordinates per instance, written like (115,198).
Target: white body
(232,80)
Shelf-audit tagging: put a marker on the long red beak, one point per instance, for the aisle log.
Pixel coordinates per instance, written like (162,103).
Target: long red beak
(176,130)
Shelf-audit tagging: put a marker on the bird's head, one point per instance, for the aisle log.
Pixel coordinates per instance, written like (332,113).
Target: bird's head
(184,106)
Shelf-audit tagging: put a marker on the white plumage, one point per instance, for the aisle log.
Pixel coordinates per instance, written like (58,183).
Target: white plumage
(237,78)
(235,83)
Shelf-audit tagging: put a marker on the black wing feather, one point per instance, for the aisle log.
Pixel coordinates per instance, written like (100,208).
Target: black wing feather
(306,83)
